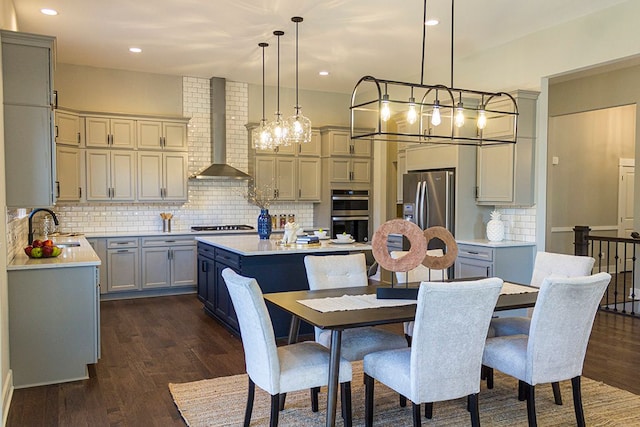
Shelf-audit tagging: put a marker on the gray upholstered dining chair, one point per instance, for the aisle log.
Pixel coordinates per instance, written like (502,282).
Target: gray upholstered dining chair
(445,357)
(547,264)
(279,370)
(342,271)
(557,342)
(419,274)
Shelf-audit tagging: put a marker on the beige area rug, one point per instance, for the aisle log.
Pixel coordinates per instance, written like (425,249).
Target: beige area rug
(221,402)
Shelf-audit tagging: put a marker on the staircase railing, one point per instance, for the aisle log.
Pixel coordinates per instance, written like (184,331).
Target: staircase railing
(617,256)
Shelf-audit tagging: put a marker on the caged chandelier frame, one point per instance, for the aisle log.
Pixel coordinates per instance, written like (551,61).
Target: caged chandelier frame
(441,115)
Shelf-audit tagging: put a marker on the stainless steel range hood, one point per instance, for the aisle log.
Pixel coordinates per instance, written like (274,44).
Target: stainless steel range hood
(219,169)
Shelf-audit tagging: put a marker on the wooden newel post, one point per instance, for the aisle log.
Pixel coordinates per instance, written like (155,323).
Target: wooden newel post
(581,245)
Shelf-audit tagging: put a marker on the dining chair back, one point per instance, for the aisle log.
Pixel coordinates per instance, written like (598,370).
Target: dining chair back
(278,370)
(445,358)
(345,271)
(557,342)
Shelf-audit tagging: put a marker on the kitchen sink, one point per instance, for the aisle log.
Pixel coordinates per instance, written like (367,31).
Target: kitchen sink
(67,244)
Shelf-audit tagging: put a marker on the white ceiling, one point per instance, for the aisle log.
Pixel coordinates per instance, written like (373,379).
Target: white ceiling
(348,38)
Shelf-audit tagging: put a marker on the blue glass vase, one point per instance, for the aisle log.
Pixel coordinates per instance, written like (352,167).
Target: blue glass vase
(264,224)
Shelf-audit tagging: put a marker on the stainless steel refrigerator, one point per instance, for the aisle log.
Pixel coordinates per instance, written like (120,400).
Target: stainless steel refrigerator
(428,199)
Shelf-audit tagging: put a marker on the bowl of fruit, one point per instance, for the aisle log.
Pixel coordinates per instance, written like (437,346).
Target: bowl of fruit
(42,249)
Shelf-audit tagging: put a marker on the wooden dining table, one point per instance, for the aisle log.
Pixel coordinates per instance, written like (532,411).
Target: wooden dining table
(338,321)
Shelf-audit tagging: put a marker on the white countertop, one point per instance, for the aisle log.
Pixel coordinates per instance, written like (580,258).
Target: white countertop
(252,245)
(490,244)
(77,256)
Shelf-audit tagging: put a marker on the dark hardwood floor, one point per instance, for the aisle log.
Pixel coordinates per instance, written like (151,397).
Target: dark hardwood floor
(148,343)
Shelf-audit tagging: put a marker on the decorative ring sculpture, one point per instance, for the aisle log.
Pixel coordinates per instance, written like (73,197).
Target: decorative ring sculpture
(408,229)
(440,262)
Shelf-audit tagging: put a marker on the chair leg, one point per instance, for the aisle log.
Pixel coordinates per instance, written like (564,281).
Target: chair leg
(416,415)
(428,410)
(577,401)
(408,338)
(522,391)
(249,408)
(275,410)
(556,393)
(489,374)
(368,400)
(531,405)
(472,402)
(314,399)
(283,398)
(403,401)
(345,394)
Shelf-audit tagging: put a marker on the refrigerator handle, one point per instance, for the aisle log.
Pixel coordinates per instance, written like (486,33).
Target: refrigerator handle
(449,213)
(425,202)
(418,212)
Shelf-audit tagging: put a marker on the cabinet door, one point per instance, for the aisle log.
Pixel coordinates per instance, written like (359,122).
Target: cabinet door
(67,128)
(361,147)
(495,173)
(339,169)
(97,132)
(123,133)
(149,134)
(123,177)
(265,175)
(472,268)
(123,270)
(26,69)
(149,175)
(205,265)
(175,176)
(155,267)
(98,165)
(286,178)
(311,148)
(309,179)
(339,143)
(360,170)
(68,174)
(183,265)
(100,246)
(223,307)
(175,136)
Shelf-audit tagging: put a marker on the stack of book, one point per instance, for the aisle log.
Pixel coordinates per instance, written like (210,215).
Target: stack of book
(305,239)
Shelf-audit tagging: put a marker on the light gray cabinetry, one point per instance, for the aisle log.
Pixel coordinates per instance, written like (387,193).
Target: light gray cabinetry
(309,179)
(510,263)
(349,161)
(68,184)
(162,176)
(277,173)
(54,324)
(122,265)
(168,262)
(27,77)
(68,129)
(506,172)
(110,175)
(162,135)
(110,132)
(100,248)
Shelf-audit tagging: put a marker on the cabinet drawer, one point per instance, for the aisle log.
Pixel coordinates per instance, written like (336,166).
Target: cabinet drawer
(228,258)
(125,242)
(205,250)
(476,252)
(168,241)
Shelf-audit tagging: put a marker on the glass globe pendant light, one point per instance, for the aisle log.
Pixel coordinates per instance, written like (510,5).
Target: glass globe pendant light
(278,127)
(299,126)
(260,135)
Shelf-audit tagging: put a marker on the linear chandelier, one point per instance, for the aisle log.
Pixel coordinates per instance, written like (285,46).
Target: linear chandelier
(430,114)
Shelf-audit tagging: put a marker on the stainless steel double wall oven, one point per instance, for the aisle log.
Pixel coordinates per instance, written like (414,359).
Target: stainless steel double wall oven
(350,213)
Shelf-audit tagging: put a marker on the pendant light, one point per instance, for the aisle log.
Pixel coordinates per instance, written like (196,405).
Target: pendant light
(260,135)
(278,127)
(299,126)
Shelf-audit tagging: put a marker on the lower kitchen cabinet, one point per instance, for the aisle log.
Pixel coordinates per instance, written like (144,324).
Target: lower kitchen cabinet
(212,290)
(122,265)
(508,262)
(168,262)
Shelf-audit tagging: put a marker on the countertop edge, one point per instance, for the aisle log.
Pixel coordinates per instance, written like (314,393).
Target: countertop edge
(241,245)
(490,244)
(80,256)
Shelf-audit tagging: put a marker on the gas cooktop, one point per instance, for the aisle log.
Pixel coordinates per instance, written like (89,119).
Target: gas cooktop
(221,227)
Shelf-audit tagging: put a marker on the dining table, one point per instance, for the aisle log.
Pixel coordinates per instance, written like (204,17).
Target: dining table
(299,304)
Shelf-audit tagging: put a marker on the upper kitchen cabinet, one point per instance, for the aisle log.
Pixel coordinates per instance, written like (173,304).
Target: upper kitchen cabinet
(68,129)
(110,132)
(311,148)
(68,181)
(27,77)
(338,142)
(505,173)
(162,176)
(111,175)
(169,135)
(277,174)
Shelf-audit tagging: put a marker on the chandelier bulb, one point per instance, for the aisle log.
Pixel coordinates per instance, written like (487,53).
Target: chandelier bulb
(435,115)
(459,120)
(385,111)
(482,118)
(412,114)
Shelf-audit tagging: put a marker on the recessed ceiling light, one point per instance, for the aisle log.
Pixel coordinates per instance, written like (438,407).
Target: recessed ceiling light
(324,73)
(431,22)
(135,49)
(49,12)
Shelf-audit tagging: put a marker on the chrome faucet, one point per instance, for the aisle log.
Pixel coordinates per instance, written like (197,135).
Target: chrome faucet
(33,212)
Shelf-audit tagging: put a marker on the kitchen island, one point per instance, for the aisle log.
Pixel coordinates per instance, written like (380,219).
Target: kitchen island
(54,315)
(276,267)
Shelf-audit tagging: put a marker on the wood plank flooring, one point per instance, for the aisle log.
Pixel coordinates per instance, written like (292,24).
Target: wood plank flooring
(148,343)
